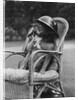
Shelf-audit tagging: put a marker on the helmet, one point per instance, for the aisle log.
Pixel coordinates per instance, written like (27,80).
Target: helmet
(48,21)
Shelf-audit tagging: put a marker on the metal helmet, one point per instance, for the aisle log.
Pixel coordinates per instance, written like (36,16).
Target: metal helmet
(49,21)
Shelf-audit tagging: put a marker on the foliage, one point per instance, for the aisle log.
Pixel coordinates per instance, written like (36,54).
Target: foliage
(19,14)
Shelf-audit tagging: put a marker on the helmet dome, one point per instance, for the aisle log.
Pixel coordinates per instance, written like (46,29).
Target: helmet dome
(48,21)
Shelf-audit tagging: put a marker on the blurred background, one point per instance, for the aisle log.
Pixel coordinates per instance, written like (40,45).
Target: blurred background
(19,15)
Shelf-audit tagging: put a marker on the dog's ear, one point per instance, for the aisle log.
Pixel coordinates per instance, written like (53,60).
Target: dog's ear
(49,37)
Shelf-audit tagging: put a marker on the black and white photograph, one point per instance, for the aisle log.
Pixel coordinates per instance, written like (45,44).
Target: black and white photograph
(39,49)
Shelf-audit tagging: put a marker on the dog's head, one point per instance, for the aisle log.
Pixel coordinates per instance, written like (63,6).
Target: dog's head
(40,32)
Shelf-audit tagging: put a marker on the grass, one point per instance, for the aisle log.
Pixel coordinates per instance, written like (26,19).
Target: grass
(68,72)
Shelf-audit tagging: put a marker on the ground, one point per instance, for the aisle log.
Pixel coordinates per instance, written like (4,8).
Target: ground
(68,69)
